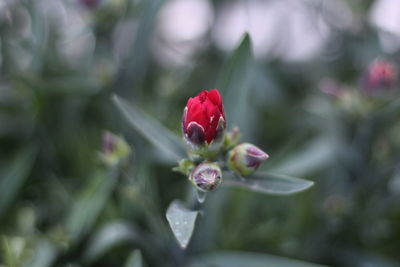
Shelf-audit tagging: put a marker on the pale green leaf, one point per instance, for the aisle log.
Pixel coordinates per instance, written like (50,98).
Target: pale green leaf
(182,221)
(234,83)
(312,157)
(90,203)
(13,178)
(151,129)
(271,184)
(240,259)
(134,259)
(44,254)
(108,237)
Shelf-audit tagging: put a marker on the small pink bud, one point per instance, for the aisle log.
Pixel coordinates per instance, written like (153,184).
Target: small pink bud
(379,76)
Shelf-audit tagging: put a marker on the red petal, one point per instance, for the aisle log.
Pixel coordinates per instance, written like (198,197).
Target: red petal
(215,97)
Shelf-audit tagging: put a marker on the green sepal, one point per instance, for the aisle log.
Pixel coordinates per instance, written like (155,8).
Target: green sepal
(185,166)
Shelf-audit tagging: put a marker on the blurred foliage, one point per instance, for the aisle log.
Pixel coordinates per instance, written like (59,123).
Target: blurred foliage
(60,205)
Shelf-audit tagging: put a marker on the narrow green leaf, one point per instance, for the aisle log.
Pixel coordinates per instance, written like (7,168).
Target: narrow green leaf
(135,65)
(271,184)
(152,130)
(14,177)
(312,157)
(134,259)
(108,237)
(182,221)
(90,203)
(234,82)
(240,259)
(234,85)
(44,255)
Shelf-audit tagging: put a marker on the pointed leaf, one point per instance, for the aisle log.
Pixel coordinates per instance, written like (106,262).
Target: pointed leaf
(90,203)
(239,259)
(312,157)
(106,238)
(137,61)
(14,177)
(271,184)
(151,129)
(234,82)
(135,259)
(181,220)
(44,254)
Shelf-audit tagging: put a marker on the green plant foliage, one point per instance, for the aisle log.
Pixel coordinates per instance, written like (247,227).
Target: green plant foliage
(14,177)
(273,184)
(234,82)
(152,130)
(236,259)
(89,204)
(182,221)
(314,84)
(135,259)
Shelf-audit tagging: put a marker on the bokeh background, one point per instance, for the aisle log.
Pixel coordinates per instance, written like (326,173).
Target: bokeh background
(322,101)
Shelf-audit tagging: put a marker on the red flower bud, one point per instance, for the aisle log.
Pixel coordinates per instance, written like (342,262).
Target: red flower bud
(204,118)
(380,74)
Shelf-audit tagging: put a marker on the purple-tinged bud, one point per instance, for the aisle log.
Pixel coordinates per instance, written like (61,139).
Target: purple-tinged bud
(245,158)
(90,3)
(331,88)
(207,176)
(380,75)
(232,138)
(114,149)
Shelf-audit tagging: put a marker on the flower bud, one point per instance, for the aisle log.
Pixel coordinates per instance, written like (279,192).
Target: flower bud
(203,121)
(114,149)
(206,176)
(246,158)
(90,3)
(232,138)
(380,75)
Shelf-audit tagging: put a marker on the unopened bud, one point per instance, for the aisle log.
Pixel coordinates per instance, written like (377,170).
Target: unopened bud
(207,176)
(232,138)
(245,158)
(115,148)
(90,3)
(380,76)
(203,121)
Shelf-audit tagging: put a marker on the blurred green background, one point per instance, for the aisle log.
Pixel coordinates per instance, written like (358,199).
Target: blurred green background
(308,104)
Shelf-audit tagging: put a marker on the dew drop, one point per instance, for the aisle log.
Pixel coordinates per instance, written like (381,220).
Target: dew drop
(201,196)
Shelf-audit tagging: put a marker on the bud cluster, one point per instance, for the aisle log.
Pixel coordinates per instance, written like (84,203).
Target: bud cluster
(376,88)
(212,150)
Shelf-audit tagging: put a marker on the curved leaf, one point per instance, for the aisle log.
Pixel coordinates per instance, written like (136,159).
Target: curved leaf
(44,254)
(272,184)
(14,177)
(181,220)
(234,82)
(239,259)
(109,236)
(151,129)
(135,259)
(89,204)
